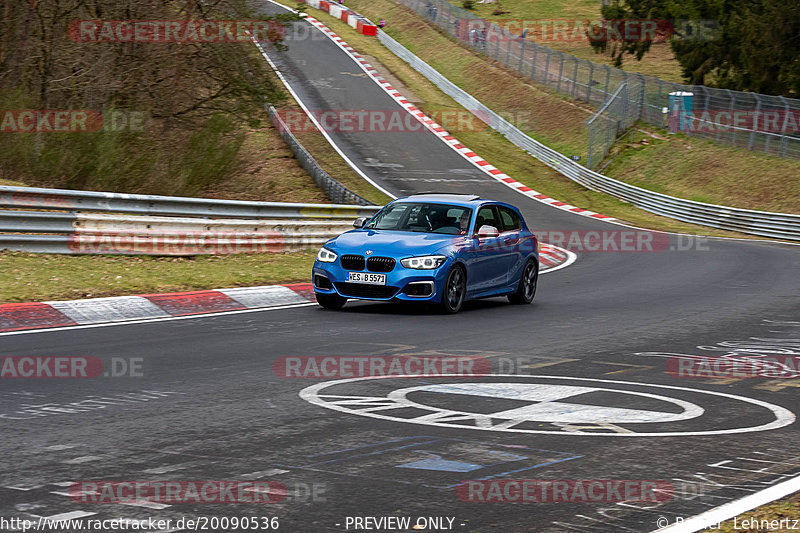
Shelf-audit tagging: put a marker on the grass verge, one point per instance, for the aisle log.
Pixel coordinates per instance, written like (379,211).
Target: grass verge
(574,16)
(717,174)
(267,171)
(28,277)
(12,183)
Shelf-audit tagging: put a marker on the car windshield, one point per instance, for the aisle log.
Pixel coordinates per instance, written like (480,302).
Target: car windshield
(423,217)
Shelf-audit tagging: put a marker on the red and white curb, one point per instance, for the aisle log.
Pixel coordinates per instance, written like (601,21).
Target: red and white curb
(37,315)
(359,23)
(554,258)
(117,309)
(443,134)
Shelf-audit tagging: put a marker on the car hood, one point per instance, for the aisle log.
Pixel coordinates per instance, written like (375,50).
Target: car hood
(392,243)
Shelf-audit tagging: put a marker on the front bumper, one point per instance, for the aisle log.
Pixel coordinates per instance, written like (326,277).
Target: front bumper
(399,282)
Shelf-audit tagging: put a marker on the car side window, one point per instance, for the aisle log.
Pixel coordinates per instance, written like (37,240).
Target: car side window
(487,216)
(510,219)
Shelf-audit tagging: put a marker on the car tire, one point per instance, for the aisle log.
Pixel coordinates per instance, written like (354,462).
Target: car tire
(330,301)
(454,291)
(526,289)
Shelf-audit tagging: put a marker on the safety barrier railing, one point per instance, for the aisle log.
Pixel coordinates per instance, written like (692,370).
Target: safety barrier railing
(74,222)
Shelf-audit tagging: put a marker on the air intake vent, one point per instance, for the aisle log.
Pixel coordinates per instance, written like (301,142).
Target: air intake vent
(361,290)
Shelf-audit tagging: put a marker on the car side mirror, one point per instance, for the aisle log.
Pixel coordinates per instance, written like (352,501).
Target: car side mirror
(359,222)
(486,232)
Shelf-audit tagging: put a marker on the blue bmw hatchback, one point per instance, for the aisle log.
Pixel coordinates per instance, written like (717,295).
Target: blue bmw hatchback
(437,248)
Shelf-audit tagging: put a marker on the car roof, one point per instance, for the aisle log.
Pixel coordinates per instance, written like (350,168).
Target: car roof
(442,197)
(469,200)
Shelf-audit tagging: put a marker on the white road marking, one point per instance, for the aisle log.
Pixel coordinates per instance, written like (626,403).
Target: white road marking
(729,510)
(82,459)
(548,407)
(147,505)
(74,494)
(263,473)
(782,417)
(67,516)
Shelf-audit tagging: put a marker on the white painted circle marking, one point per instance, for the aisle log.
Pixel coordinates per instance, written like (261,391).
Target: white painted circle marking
(547,407)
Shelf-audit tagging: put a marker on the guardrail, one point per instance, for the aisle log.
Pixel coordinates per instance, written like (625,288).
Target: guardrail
(143,204)
(761,223)
(87,222)
(334,190)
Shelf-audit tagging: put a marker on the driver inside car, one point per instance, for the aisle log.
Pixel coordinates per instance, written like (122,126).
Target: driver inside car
(463,223)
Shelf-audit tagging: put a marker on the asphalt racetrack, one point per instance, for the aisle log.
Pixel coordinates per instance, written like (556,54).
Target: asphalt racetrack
(580,389)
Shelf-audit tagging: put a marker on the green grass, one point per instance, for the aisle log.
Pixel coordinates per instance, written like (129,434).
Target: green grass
(659,61)
(715,173)
(702,171)
(12,183)
(33,277)
(155,160)
(784,509)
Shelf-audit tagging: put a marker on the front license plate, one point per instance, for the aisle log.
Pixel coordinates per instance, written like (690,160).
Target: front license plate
(366,277)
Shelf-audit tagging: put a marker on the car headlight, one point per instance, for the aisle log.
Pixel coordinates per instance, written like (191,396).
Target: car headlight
(326,256)
(426,262)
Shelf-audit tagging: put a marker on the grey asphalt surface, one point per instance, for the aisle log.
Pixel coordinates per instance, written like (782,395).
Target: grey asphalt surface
(228,416)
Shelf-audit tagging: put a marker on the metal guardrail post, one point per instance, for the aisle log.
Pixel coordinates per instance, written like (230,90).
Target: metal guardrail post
(560,72)
(785,125)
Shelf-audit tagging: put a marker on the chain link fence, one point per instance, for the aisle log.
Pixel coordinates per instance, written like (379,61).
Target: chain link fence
(335,191)
(607,125)
(758,122)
